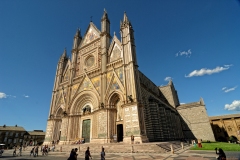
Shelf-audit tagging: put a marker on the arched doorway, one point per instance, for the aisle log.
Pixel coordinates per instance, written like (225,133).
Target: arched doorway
(57,126)
(117,117)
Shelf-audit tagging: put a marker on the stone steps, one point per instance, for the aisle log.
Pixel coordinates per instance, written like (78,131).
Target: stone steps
(158,147)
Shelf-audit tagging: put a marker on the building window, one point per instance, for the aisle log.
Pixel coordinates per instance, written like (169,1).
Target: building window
(20,140)
(22,133)
(9,140)
(5,139)
(16,135)
(6,133)
(11,133)
(15,140)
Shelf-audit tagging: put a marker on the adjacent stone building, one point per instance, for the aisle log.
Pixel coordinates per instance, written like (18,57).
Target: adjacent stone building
(35,137)
(12,135)
(225,126)
(17,135)
(99,93)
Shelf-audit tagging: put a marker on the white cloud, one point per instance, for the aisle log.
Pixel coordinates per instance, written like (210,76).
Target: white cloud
(26,96)
(234,106)
(182,103)
(224,88)
(230,89)
(186,53)
(2,95)
(167,78)
(204,71)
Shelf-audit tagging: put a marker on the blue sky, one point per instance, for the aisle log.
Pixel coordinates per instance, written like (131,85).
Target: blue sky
(194,43)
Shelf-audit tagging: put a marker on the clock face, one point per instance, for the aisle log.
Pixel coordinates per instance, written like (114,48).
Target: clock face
(90,61)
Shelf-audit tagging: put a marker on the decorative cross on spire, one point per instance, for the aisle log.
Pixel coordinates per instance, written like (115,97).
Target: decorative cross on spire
(91,18)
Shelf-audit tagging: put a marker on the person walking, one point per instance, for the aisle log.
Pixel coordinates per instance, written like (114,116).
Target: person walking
(14,151)
(132,139)
(221,154)
(73,154)
(32,151)
(87,154)
(20,151)
(103,154)
(36,152)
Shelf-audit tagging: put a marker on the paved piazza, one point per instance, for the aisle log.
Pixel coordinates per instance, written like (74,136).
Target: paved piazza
(181,155)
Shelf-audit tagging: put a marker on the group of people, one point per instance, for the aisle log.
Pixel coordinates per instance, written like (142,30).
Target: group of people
(15,151)
(79,141)
(199,143)
(73,154)
(34,151)
(44,149)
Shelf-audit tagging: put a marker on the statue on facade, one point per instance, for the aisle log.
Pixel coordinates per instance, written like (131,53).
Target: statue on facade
(119,110)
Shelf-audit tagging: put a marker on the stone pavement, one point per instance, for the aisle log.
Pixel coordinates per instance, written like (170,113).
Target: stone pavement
(179,155)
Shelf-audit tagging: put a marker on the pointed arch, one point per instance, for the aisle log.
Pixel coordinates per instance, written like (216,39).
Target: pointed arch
(113,97)
(83,99)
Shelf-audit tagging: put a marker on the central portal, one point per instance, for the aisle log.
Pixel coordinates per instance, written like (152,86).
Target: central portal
(119,132)
(86,130)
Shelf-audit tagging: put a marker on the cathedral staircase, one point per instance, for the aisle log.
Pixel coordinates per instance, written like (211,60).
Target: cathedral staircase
(157,147)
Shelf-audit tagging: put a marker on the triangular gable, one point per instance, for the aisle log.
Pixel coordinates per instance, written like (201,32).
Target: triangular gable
(97,83)
(86,85)
(74,90)
(115,85)
(109,77)
(91,34)
(119,73)
(115,50)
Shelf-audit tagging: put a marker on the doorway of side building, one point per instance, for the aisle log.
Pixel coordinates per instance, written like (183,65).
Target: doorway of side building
(86,130)
(119,132)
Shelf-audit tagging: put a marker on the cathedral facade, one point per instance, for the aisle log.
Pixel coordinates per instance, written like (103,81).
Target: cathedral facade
(99,93)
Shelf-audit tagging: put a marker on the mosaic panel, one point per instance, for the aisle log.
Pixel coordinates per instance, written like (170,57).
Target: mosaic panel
(115,85)
(119,73)
(116,54)
(102,121)
(74,89)
(86,85)
(109,75)
(97,83)
(90,36)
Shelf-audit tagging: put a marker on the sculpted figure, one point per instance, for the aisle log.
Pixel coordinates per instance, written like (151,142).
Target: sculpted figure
(119,110)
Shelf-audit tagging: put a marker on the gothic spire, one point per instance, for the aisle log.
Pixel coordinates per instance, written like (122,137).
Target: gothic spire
(105,15)
(125,18)
(78,33)
(64,53)
(202,101)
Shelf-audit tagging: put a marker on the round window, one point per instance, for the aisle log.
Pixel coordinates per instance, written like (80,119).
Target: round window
(90,61)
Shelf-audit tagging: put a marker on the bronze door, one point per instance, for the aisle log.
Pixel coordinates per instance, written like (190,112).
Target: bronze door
(86,130)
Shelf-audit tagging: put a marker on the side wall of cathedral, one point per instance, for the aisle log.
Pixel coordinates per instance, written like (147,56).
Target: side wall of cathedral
(196,118)
(162,122)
